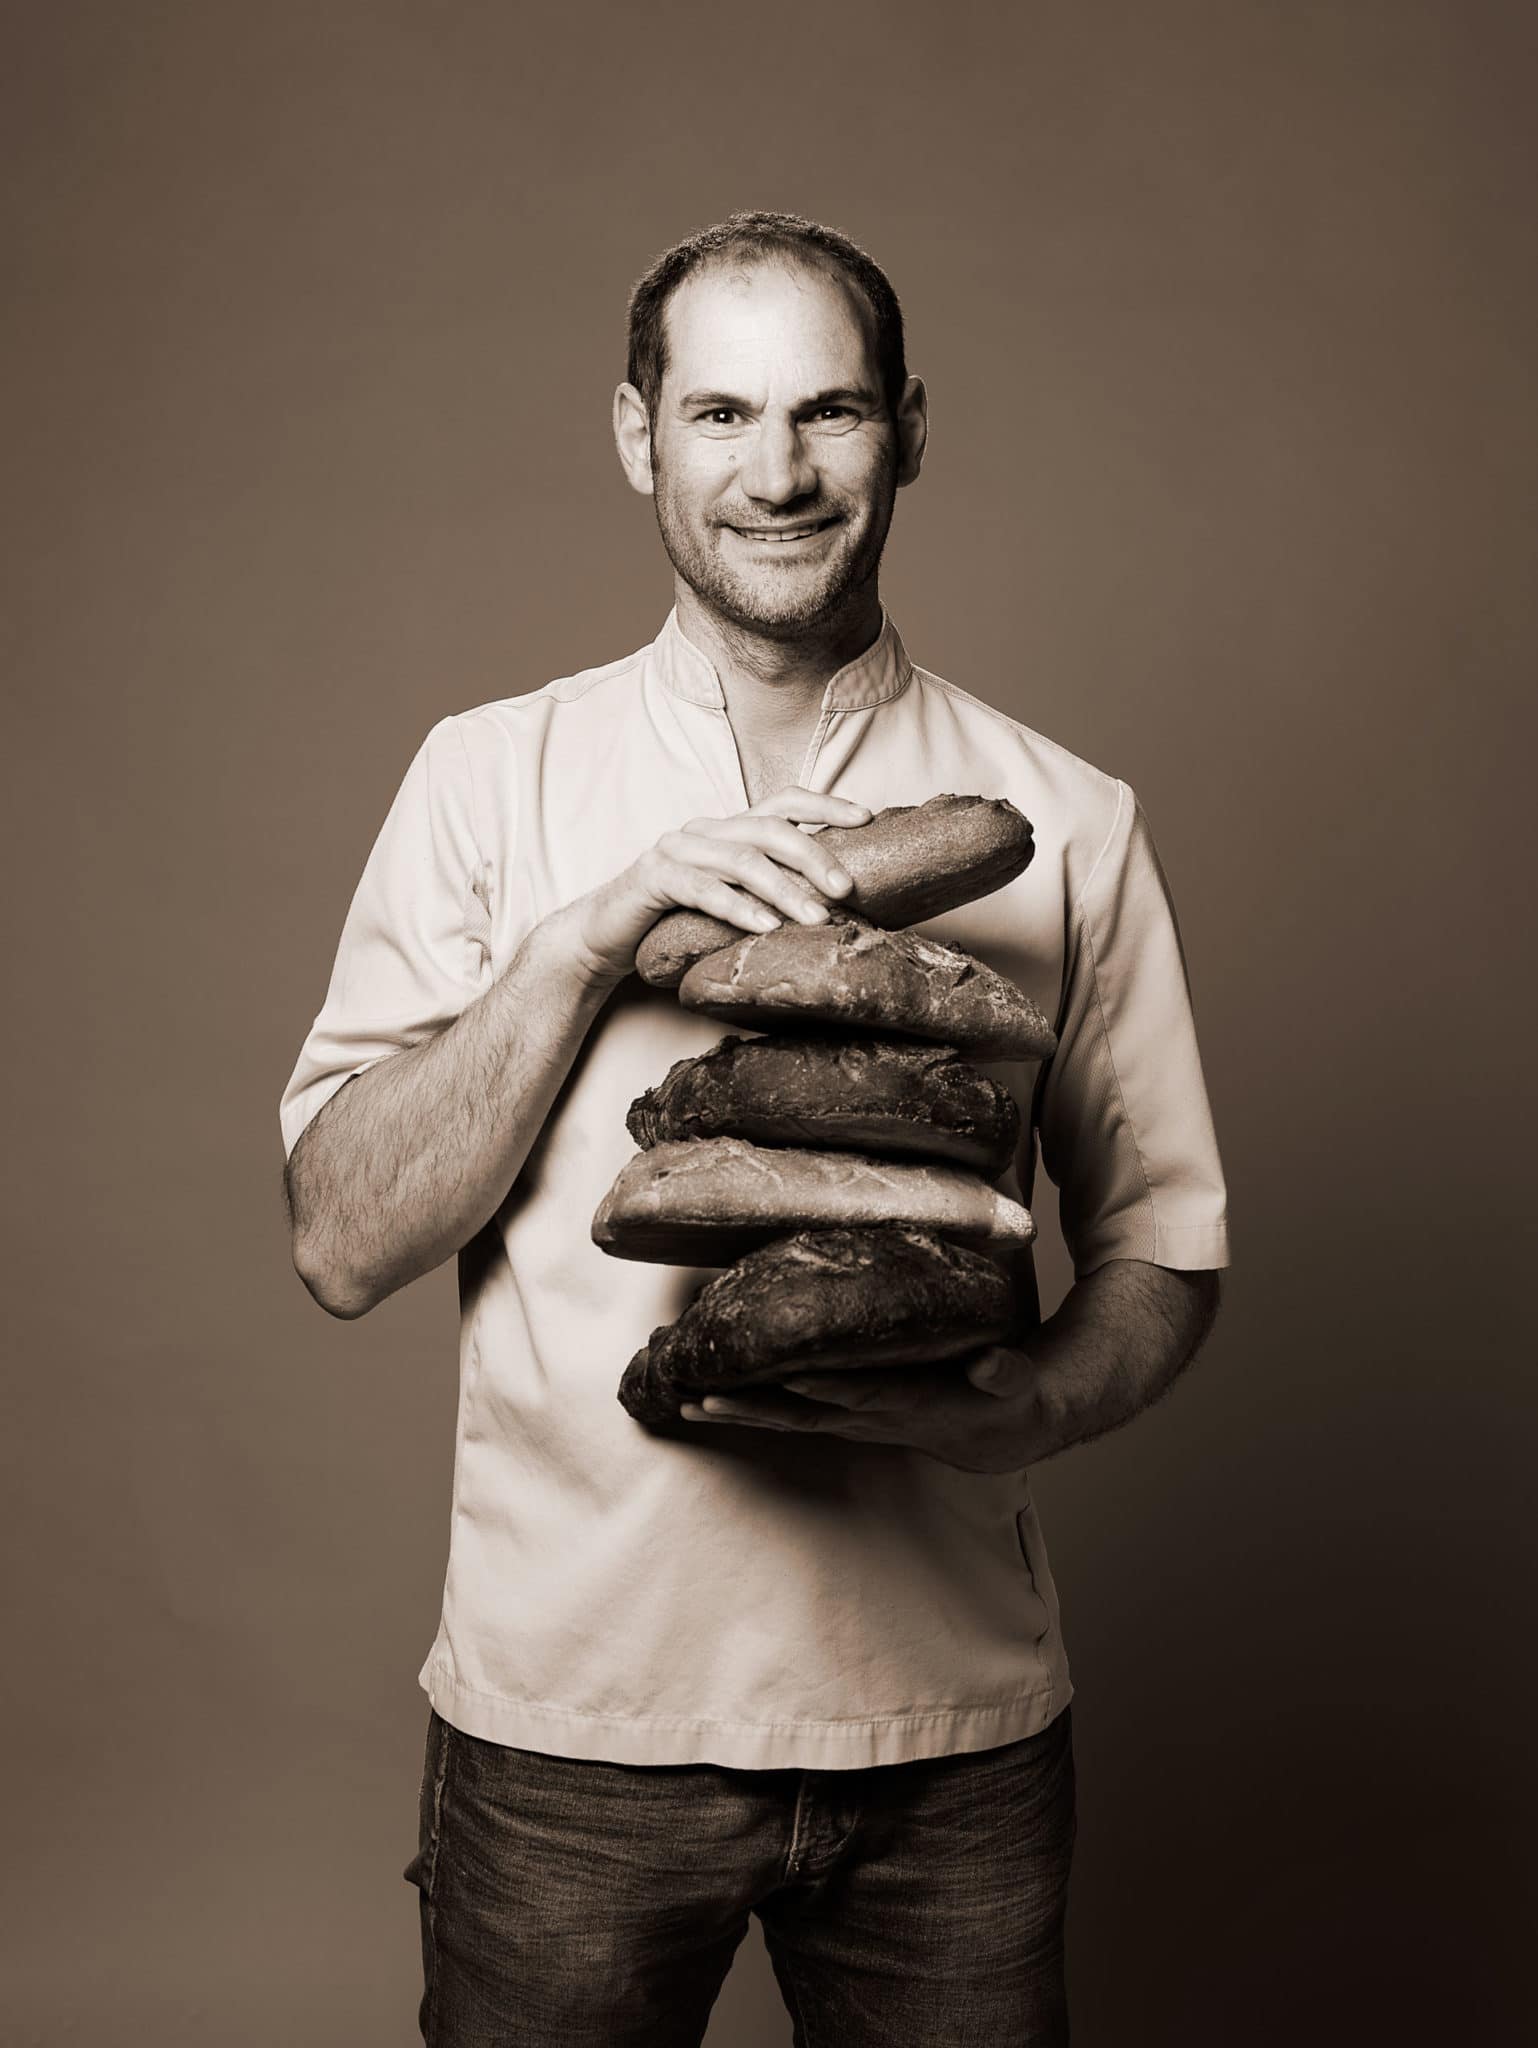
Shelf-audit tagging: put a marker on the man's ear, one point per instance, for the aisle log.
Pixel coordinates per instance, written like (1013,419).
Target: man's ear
(912,429)
(632,438)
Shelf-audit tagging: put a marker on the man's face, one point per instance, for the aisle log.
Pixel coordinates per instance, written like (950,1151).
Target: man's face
(774,461)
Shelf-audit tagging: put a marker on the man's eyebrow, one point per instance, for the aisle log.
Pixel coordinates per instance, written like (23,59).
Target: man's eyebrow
(842,394)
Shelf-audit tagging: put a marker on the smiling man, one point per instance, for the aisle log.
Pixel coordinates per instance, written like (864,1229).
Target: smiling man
(774,479)
(801,1656)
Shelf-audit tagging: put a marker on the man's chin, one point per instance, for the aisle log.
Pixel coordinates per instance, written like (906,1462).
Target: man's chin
(778,622)
(783,609)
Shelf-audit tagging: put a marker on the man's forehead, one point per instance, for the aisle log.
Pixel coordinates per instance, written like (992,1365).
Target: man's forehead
(737,311)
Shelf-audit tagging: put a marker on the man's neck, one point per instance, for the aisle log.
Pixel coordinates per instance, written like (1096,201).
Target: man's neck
(774,687)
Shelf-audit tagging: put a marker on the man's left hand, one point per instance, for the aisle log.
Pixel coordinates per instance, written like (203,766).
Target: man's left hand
(980,1418)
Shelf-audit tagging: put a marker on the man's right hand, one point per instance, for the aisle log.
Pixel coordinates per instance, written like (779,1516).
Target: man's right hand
(753,869)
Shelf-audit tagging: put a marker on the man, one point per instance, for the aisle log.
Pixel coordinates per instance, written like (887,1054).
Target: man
(802,1659)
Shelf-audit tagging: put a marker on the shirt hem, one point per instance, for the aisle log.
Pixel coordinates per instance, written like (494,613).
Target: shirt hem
(1182,1247)
(742,1745)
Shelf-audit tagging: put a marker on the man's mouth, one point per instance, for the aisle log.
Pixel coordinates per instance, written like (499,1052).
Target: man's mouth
(803,530)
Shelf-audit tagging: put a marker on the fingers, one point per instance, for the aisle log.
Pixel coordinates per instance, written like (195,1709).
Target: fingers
(810,807)
(760,835)
(682,884)
(755,869)
(739,862)
(759,1407)
(996,1372)
(851,1390)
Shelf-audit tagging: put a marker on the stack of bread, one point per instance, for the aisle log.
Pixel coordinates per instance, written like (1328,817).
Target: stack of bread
(840,1165)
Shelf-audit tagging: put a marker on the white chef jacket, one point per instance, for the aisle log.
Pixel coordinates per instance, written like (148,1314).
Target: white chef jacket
(747,1597)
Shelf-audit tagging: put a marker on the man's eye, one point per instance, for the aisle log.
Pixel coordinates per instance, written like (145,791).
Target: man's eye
(720,415)
(835,412)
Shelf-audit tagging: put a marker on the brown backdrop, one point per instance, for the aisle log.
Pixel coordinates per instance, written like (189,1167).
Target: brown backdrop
(1225,311)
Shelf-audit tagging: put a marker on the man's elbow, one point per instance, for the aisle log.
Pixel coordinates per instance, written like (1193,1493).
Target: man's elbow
(339,1294)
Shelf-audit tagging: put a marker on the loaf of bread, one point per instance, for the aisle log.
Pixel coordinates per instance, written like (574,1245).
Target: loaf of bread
(839,1298)
(850,973)
(909,862)
(707,1201)
(896,1097)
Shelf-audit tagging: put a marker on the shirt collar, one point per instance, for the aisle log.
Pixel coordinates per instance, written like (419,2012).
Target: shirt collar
(882,671)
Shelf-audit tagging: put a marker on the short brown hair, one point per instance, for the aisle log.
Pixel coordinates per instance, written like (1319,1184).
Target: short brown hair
(759,237)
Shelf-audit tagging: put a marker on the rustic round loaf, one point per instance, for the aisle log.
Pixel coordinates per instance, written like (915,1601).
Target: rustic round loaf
(706,1201)
(850,973)
(907,863)
(822,1300)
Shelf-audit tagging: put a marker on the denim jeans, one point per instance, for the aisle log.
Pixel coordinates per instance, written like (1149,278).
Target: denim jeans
(576,1904)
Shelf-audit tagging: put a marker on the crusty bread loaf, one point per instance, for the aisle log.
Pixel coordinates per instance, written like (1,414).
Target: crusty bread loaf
(909,862)
(850,973)
(819,1300)
(899,1098)
(707,1201)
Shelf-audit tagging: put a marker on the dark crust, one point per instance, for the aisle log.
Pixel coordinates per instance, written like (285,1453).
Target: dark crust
(845,1298)
(897,1097)
(849,972)
(908,863)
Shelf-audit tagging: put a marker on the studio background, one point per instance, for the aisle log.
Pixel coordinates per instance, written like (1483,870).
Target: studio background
(314,316)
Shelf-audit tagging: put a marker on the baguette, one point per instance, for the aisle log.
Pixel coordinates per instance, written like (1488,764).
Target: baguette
(707,1201)
(898,1098)
(821,1299)
(849,973)
(908,863)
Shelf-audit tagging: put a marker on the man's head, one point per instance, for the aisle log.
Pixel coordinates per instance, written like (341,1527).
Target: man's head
(769,413)
(737,242)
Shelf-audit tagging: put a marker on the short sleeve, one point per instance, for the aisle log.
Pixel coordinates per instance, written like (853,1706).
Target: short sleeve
(415,947)
(1125,1126)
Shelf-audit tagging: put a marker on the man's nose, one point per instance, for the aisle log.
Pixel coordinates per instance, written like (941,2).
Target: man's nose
(778,467)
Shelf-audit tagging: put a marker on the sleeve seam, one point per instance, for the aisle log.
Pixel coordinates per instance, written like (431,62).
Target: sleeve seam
(475,818)
(1122,794)
(482,866)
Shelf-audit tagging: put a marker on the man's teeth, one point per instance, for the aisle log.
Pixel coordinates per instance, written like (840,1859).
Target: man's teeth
(782,532)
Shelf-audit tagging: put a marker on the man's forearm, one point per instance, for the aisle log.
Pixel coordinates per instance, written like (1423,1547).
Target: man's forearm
(407,1161)
(1120,1338)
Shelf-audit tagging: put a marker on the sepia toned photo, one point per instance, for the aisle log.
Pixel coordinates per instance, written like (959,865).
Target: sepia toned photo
(762,1289)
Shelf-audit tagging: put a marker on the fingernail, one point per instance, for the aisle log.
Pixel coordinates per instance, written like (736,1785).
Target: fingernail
(837,879)
(815,913)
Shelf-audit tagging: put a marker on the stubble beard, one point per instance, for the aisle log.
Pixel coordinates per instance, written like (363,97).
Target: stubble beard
(805,603)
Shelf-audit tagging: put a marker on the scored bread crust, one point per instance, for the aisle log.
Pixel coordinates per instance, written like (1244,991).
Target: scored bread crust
(707,1201)
(851,973)
(830,1299)
(907,863)
(891,1096)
